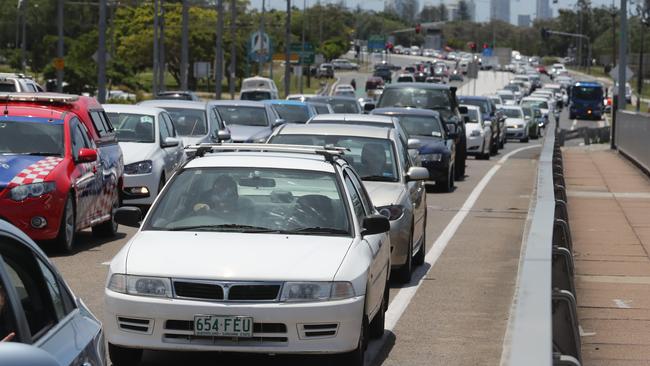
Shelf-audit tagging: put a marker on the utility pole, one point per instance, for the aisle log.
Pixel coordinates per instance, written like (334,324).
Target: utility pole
(184,45)
(161,49)
(302,40)
(154,88)
(260,63)
(287,51)
(320,23)
(101,54)
(622,66)
(23,45)
(233,47)
(59,45)
(219,62)
(645,22)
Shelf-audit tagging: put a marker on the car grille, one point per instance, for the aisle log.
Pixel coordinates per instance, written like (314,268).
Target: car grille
(227,291)
(319,330)
(182,332)
(135,325)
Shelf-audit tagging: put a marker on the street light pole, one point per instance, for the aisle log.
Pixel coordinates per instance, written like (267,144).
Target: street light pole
(287,51)
(101,54)
(23,46)
(184,45)
(260,61)
(154,86)
(302,40)
(219,62)
(59,45)
(233,47)
(161,49)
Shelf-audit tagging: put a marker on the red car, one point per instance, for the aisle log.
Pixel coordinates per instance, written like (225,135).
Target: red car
(60,166)
(542,70)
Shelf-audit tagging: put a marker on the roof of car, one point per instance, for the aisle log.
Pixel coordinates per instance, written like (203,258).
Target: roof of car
(589,83)
(335,129)
(237,103)
(174,103)
(343,117)
(472,97)
(510,106)
(405,111)
(281,160)
(543,99)
(50,101)
(417,86)
(331,97)
(285,102)
(129,108)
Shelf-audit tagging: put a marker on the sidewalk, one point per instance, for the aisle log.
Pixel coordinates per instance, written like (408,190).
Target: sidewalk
(609,210)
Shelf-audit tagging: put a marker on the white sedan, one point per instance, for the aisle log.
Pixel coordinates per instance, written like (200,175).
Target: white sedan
(151,149)
(478,133)
(273,251)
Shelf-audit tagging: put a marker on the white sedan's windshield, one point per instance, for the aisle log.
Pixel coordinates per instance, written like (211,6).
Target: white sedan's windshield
(513,113)
(252,200)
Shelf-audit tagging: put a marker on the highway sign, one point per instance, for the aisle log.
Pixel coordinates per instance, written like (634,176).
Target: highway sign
(280,57)
(59,63)
(376,43)
(260,47)
(309,54)
(628,74)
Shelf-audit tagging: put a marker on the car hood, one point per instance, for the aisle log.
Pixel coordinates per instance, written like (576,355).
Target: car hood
(236,256)
(431,145)
(515,121)
(384,193)
(241,133)
(137,151)
(13,165)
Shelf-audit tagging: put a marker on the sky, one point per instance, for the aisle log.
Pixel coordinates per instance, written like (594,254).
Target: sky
(482,6)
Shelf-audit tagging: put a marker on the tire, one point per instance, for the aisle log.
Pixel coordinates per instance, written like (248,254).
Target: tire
(108,228)
(419,257)
(121,356)
(535,136)
(446,185)
(67,227)
(461,157)
(403,273)
(161,183)
(378,324)
(494,145)
(525,139)
(357,357)
(572,116)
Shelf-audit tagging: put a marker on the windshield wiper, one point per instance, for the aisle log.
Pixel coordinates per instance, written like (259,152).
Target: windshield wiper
(316,230)
(225,227)
(378,178)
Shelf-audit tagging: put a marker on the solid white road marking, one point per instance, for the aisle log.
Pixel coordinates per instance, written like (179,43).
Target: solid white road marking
(106,263)
(405,295)
(622,304)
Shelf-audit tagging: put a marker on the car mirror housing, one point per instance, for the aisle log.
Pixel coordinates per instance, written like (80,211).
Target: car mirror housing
(368,107)
(279,122)
(222,135)
(128,216)
(416,173)
(414,144)
(375,224)
(87,155)
(171,142)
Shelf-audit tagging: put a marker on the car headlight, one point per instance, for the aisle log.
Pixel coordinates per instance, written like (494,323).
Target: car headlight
(392,212)
(21,192)
(141,285)
(141,167)
(431,157)
(475,133)
(316,291)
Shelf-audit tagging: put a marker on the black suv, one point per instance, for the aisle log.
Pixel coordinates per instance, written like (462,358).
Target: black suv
(441,98)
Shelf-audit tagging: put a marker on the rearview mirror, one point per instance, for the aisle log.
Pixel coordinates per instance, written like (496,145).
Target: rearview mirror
(414,144)
(279,122)
(86,155)
(257,182)
(375,224)
(417,173)
(368,107)
(128,216)
(222,135)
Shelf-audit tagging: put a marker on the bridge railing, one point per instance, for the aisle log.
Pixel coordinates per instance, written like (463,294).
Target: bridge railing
(633,137)
(544,326)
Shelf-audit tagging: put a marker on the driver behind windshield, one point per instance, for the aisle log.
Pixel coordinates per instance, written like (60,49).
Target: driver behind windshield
(373,160)
(223,200)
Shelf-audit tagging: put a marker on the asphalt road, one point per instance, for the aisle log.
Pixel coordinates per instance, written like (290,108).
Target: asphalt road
(455,311)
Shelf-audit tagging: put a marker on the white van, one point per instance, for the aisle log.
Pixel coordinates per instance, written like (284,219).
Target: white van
(258,88)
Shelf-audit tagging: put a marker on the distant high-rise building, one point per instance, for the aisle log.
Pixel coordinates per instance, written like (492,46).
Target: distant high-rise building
(500,10)
(544,10)
(453,6)
(523,20)
(405,9)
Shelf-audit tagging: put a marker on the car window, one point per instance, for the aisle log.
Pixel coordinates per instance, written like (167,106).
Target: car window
(216,123)
(80,137)
(27,136)
(188,122)
(357,204)
(97,123)
(7,314)
(247,116)
(108,126)
(421,125)
(513,113)
(54,289)
(164,131)
(365,199)
(415,97)
(31,287)
(292,113)
(132,127)
(170,125)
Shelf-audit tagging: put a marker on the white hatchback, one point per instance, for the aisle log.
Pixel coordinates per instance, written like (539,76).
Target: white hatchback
(273,251)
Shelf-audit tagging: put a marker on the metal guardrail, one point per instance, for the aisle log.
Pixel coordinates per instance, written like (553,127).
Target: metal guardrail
(633,137)
(544,328)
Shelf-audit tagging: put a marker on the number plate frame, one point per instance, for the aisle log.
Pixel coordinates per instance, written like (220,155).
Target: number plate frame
(226,325)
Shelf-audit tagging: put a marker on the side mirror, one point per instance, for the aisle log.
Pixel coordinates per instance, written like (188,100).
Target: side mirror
(222,135)
(278,122)
(417,173)
(374,224)
(128,216)
(414,144)
(463,110)
(171,142)
(466,119)
(87,155)
(451,128)
(368,107)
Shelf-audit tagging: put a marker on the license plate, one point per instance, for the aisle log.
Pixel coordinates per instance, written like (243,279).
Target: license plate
(223,326)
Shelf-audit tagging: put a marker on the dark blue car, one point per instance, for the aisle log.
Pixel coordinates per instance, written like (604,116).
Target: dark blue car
(437,152)
(586,100)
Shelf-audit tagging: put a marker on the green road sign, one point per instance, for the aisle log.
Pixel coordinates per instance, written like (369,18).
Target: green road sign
(308,56)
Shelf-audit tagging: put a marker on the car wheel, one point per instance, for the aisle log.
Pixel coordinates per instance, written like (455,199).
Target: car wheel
(67,228)
(572,116)
(419,257)
(121,356)
(525,139)
(108,228)
(357,357)
(502,143)
(378,324)
(403,273)
(494,146)
(461,157)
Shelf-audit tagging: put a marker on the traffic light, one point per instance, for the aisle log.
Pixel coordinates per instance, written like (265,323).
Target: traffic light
(485,46)
(418,28)
(545,34)
(472,46)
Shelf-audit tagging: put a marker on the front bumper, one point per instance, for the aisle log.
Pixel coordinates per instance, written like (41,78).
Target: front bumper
(516,133)
(474,144)
(48,206)
(149,181)
(167,324)
(400,234)
(437,169)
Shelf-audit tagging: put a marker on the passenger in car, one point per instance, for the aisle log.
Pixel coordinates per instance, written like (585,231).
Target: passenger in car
(373,160)
(6,335)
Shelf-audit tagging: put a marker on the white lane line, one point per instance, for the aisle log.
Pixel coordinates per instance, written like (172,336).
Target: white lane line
(623,304)
(106,263)
(405,295)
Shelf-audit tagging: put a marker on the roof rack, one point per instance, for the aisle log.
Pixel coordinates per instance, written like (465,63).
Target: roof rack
(51,98)
(328,152)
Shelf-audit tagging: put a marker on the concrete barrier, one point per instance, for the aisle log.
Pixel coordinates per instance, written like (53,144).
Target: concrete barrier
(633,137)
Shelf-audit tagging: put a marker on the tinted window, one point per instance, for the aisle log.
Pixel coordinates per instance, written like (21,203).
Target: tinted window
(31,138)
(322,109)
(164,131)
(188,122)
(513,113)
(292,113)
(255,95)
(79,138)
(415,97)
(8,87)
(54,290)
(170,124)
(238,115)
(357,204)
(134,127)
(421,125)
(97,123)
(587,93)
(482,104)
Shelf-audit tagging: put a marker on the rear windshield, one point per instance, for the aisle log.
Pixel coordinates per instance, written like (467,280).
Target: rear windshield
(421,125)
(8,87)
(256,95)
(588,93)
(482,104)
(513,113)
